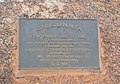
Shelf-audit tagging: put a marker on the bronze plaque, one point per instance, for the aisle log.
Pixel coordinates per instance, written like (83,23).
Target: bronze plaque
(58,43)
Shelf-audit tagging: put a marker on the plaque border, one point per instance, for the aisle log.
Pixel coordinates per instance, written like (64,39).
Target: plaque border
(55,71)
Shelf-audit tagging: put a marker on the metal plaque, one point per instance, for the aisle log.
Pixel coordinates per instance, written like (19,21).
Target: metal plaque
(58,43)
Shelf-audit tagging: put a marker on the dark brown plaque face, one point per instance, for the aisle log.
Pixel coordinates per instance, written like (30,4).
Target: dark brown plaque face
(58,43)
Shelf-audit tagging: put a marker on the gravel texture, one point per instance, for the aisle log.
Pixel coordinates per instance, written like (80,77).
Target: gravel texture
(108,14)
